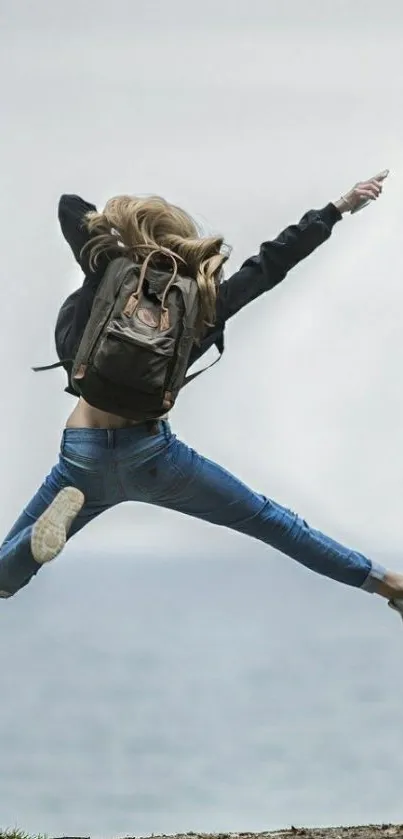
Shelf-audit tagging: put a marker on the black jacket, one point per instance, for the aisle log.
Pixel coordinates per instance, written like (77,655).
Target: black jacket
(258,274)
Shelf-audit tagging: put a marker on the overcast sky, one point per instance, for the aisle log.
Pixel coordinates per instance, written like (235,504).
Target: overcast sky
(247,118)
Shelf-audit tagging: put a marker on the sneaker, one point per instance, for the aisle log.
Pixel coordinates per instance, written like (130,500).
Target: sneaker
(397,605)
(49,533)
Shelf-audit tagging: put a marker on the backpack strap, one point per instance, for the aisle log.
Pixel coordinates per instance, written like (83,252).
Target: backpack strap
(52,366)
(219,343)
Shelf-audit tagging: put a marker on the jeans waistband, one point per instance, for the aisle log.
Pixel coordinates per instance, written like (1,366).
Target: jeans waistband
(110,438)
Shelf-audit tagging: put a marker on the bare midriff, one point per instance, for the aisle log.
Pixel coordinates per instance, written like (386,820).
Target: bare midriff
(85,416)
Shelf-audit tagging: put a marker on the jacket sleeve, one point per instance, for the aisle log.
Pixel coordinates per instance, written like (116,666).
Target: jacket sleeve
(264,271)
(75,311)
(72,212)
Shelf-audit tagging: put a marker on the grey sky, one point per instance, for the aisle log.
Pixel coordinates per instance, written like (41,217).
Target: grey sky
(247,118)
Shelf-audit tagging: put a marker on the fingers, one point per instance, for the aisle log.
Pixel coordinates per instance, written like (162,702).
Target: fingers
(375,185)
(364,192)
(376,181)
(369,189)
(368,194)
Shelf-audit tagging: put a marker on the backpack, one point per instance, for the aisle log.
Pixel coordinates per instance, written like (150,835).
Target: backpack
(133,356)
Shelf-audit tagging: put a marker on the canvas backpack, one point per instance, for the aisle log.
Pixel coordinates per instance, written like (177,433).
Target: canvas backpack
(134,353)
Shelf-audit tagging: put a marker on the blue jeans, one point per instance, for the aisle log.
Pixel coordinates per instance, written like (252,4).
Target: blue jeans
(132,464)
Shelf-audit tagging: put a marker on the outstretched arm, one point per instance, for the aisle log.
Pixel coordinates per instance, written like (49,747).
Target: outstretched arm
(267,269)
(276,258)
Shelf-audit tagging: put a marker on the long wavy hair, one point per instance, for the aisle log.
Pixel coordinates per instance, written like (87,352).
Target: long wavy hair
(134,227)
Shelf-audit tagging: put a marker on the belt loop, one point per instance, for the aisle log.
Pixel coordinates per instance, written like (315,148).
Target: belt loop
(110,437)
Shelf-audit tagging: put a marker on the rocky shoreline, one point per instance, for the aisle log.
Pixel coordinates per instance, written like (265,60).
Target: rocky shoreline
(384,831)
(368,831)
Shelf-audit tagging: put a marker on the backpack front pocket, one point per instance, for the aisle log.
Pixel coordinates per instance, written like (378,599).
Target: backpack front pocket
(136,362)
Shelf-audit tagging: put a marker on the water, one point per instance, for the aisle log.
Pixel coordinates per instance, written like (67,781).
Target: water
(140,696)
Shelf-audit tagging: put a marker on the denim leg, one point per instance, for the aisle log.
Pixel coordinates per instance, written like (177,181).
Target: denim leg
(193,485)
(17,565)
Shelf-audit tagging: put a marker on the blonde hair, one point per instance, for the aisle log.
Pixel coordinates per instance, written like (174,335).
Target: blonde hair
(133,226)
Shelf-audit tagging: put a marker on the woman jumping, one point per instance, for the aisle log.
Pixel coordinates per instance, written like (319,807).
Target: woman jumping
(106,459)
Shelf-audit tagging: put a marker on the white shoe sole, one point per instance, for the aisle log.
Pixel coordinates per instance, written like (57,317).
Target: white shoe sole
(49,533)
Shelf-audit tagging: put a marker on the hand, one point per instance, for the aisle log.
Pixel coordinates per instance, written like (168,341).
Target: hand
(362,193)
